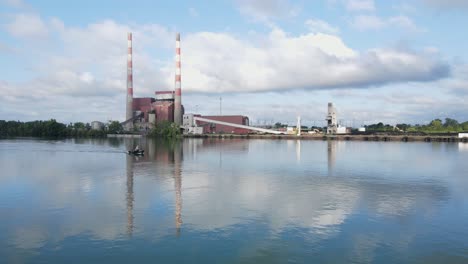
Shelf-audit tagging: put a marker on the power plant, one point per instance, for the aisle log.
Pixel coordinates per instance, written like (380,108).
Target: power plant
(145,112)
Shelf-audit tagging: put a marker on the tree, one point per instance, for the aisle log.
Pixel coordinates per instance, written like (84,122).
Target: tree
(79,125)
(115,127)
(435,124)
(165,129)
(278,125)
(464,126)
(450,122)
(403,127)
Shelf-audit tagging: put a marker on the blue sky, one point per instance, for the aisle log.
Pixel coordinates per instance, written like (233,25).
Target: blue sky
(272,60)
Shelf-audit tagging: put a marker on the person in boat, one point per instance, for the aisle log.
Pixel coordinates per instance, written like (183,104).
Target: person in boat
(137,148)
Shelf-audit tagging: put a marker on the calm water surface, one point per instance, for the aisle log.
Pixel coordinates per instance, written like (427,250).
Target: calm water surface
(233,201)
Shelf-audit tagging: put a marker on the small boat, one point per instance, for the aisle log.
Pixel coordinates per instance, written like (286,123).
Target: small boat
(139,152)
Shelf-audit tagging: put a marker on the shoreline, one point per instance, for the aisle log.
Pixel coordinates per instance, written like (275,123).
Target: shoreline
(394,138)
(384,138)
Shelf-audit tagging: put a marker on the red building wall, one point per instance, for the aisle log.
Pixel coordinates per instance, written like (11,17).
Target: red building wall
(216,128)
(164,111)
(144,105)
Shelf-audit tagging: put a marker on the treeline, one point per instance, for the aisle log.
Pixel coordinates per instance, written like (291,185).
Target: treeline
(165,129)
(53,129)
(435,126)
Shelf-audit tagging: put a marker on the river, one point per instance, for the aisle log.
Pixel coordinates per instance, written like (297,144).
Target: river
(233,201)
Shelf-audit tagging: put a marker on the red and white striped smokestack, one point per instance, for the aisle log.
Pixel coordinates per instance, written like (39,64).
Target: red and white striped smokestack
(178,89)
(129,113)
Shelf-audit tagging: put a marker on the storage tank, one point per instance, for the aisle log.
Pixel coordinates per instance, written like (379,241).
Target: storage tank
(96,125)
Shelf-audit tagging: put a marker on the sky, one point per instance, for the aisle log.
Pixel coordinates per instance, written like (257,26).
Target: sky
(272,60)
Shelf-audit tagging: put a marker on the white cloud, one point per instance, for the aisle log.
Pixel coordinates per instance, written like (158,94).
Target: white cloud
(446,4)
(355,5)
(403,22)
(265,10)
(220,62)
(373,22)
(404,8)
(360,5)
(458,85)
(15,3)
(320,26)
(366,22)
(80,65)
(87,64)
(27,26)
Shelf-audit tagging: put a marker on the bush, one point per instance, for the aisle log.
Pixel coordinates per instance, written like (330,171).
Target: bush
(47,129)
(165,129)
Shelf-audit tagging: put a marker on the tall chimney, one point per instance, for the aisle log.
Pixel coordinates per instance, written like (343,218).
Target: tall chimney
(129,113)
(178,90)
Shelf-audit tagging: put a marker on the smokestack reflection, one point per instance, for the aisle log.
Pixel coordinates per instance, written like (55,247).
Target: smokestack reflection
(298,151)
(178,186)
(331,157)
(167,153)
(129,197)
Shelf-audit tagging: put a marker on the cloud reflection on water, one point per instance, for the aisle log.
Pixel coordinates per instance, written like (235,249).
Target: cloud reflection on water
(210,186)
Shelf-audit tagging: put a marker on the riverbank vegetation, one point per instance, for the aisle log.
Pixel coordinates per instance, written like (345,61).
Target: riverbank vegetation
(166,130)
(435,126)
(53,129)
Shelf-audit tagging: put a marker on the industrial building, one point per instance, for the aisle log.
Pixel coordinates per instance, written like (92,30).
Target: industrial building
(234,124)
(193,126)
(209,128)
(332,125)
(96,125)
(143,113)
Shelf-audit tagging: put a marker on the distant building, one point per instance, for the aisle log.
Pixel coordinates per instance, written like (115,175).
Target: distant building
(164,106)
(217,128)
(96,125)
(154,110)
(332,125)
(142,106)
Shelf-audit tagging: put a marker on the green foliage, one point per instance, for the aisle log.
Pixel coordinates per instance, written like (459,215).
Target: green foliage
(464,126)
(379,127)
(165,129)
(114,127)
(79,125)
(47,129)
(435,126)
(279,125)
(450,122)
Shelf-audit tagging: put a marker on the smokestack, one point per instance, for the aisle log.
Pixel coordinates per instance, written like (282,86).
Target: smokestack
(332,113)
(129,113)
(178,90)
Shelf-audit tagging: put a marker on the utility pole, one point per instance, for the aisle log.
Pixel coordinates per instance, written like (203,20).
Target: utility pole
(220,106)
